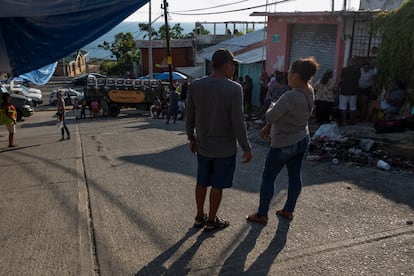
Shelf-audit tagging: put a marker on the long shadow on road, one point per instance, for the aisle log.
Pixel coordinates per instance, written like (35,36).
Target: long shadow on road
(156,267)
(397,188)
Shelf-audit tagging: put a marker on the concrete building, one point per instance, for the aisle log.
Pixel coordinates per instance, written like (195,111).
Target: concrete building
(331,37)
(72,65)
(250,49)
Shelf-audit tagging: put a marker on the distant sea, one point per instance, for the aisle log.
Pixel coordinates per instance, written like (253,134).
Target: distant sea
(132,27)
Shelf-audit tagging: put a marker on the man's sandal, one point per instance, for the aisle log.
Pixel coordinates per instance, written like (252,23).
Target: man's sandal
(257,219)
(200,221)
(285,214)
(217,224)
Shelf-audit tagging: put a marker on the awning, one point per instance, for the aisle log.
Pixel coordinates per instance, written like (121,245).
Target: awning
(37,33)
(253,56)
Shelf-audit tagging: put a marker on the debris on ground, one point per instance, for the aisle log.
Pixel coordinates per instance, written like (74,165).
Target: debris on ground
(328,145)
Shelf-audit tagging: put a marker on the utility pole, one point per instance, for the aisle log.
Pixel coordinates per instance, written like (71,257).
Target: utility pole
(151,70)
(167,37)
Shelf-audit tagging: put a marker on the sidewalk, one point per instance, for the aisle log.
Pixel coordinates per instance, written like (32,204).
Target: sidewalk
(45,225)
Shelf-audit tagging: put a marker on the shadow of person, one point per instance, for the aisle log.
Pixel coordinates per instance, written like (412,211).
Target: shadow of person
(234,264)
(264,262)
(157,267)
(179,266)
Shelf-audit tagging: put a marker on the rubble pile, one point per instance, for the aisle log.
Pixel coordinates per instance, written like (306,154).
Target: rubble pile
(352,150)
(328,145)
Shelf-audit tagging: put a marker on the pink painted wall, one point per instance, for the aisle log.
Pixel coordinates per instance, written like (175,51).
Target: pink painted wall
(278,40)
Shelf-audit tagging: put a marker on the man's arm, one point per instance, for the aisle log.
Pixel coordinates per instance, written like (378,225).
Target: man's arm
(190,121)
(238,122)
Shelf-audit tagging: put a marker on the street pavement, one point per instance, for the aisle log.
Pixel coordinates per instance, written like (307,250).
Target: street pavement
(118,199)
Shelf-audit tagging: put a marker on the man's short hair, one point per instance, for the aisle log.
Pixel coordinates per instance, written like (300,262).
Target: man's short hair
(221,57)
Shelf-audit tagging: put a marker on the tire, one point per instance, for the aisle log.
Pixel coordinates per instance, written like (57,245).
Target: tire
(114,110)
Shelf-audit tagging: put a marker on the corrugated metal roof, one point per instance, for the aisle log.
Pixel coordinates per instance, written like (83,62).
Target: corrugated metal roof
(235,44)
(192,72)
(253,56)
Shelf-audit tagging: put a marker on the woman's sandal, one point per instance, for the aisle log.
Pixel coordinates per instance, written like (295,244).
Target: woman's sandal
(285,214)
(217,224)
(200,221)
(257,218)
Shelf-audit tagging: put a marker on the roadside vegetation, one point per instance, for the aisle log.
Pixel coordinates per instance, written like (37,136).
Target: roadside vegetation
(396,53)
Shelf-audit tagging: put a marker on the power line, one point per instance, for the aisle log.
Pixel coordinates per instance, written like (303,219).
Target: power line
(237,10)
(219,6)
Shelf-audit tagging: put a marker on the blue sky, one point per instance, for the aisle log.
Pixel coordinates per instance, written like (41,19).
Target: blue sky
(196,10)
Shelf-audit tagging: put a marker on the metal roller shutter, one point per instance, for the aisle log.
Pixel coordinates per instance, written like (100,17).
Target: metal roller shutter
(314,40)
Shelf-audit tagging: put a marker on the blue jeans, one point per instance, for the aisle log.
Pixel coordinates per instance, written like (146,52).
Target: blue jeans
(276,159)
(64,128)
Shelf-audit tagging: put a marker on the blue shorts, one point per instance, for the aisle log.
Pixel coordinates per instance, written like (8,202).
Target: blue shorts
(215,172)
(388,108)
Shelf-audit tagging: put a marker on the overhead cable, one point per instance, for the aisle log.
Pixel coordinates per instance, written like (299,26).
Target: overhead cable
(237,10)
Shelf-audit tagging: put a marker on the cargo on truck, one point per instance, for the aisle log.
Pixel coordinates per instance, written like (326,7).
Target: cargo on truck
(118,93)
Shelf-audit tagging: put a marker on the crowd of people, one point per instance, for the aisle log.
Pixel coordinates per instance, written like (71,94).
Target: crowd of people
(172,107)
(355,97)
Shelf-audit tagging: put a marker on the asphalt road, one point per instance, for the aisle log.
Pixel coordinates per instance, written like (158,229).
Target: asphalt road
(118,199)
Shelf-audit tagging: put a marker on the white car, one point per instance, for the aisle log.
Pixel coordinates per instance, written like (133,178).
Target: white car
(35,90)
(68,94)
(23,90)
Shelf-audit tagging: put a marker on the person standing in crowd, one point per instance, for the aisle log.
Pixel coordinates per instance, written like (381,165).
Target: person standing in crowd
(281,86)
(83,109)
(10,117)
(264,80)
(366,83)
(214,123)
(288,122)
(247,90)
(61,117)
(184,89)
(324,97)
(95,108)
(174,97)
(348,93)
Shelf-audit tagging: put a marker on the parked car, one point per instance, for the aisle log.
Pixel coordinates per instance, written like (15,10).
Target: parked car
(82,80)
(21,103)
(23,90)
(35,90)
(68,94)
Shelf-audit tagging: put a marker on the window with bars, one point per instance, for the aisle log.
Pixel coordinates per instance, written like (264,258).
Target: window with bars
(364,43)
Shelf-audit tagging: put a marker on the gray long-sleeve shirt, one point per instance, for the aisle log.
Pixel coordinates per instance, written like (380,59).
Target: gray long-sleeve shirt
(215,117)
(289,117)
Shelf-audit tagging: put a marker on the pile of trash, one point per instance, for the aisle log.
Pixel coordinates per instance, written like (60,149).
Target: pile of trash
(327,144)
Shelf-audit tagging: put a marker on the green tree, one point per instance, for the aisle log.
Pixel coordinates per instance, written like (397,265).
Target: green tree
(396,54)
(176,32)
(198,30)
(124,50)
(144,27)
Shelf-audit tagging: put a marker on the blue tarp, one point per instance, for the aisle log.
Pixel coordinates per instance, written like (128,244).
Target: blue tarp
(34,34)
(166,76)
(40,76)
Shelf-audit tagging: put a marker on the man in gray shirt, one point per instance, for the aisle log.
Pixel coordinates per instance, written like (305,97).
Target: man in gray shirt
(214,124)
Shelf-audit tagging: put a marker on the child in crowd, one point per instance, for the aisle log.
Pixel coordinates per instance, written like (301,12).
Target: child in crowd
(95,108)
(10,117)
